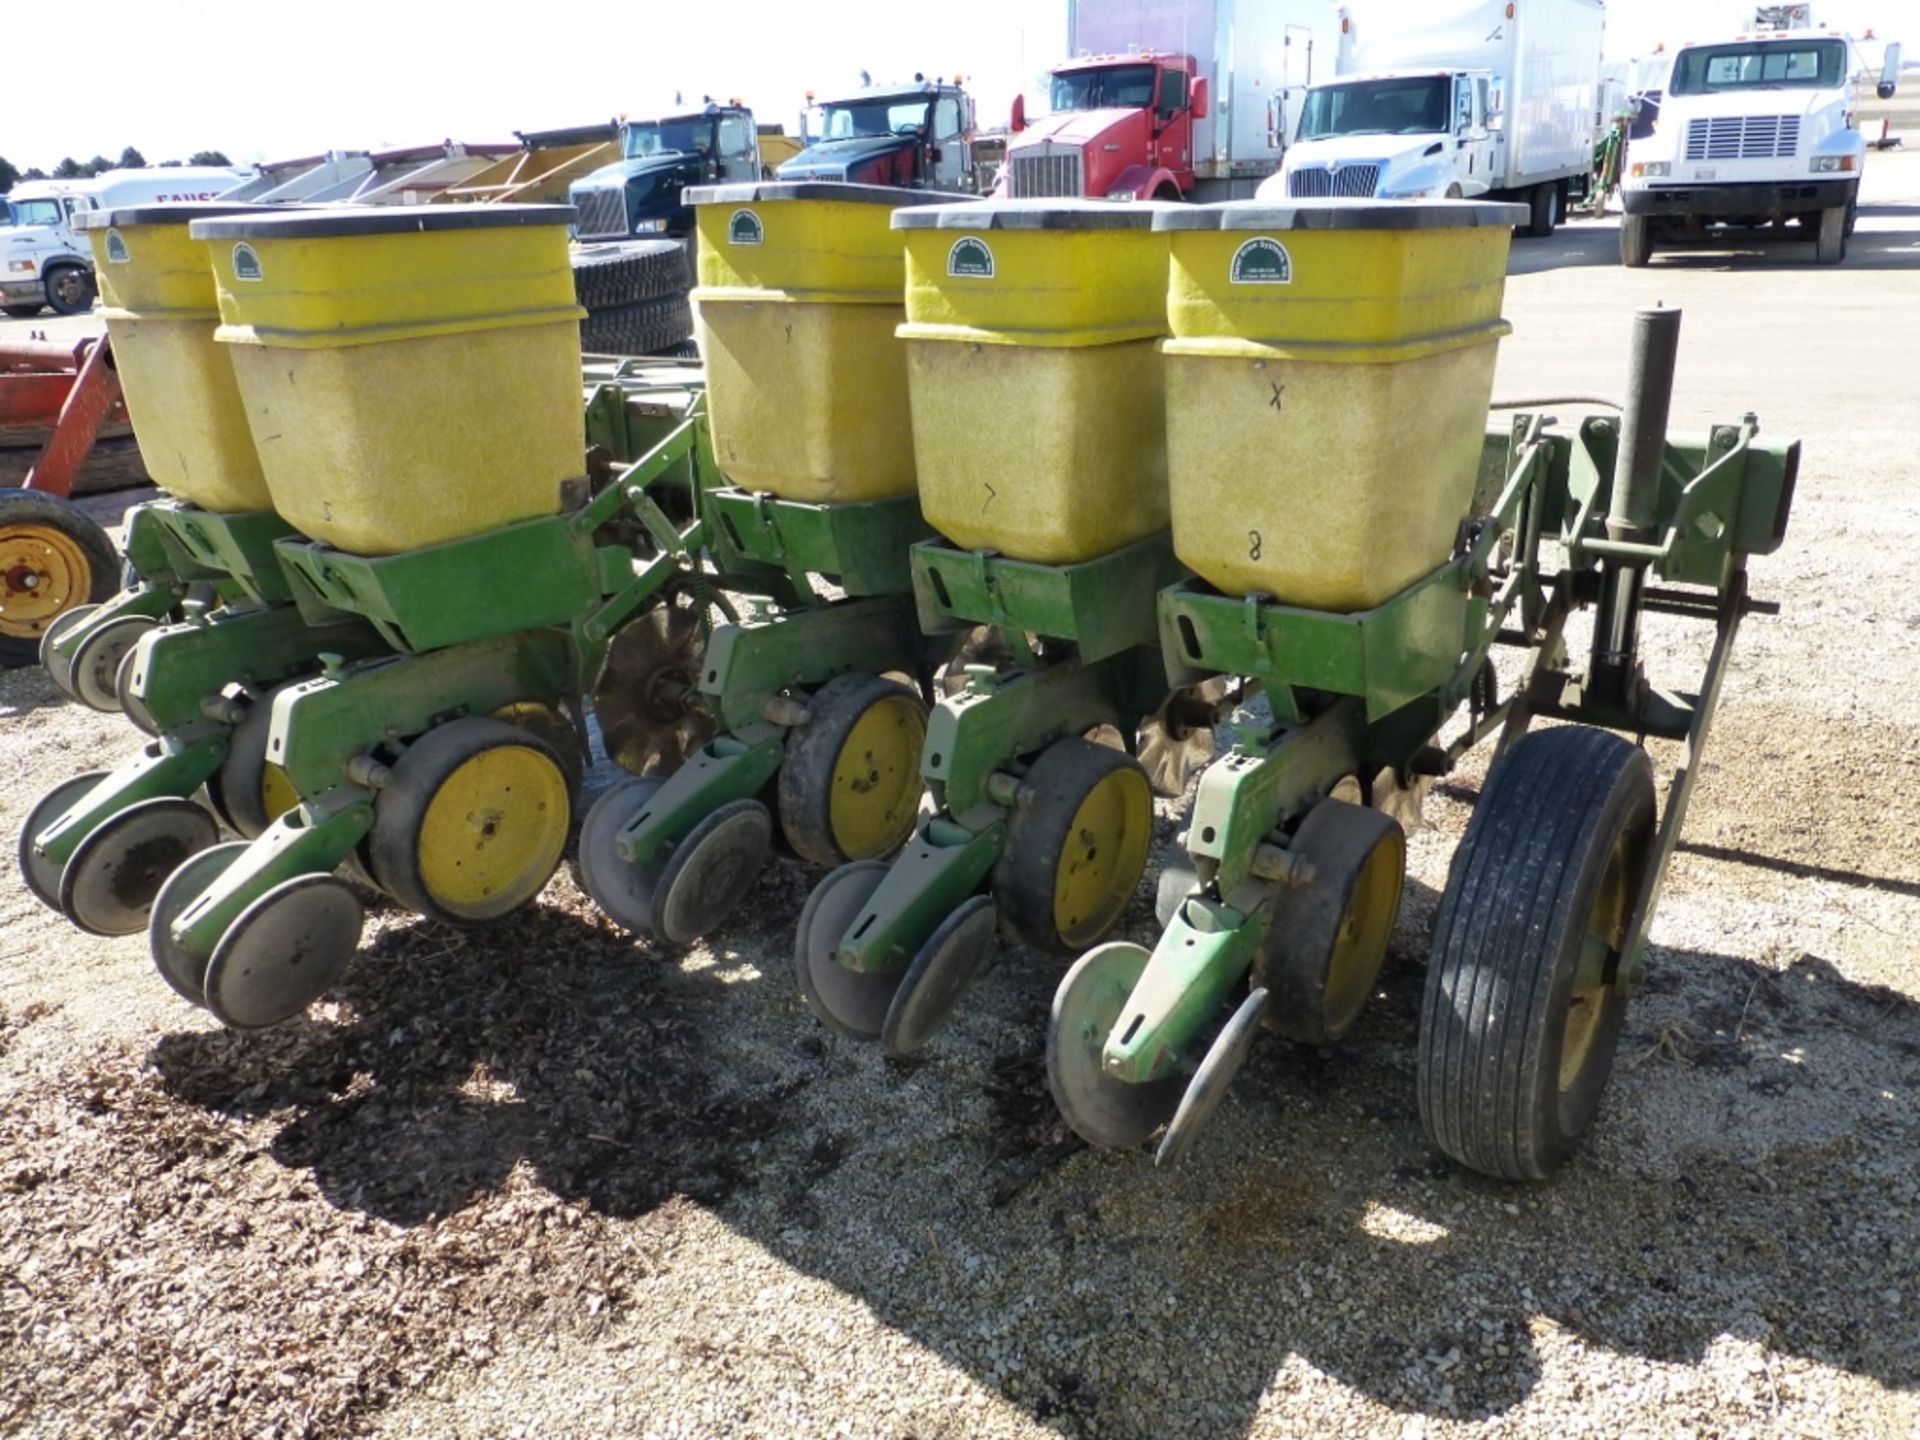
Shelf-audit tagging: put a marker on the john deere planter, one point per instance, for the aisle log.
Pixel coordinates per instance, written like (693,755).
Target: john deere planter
(206,629)
(426,433)
(819,699)
(1360,545)
(1038,438)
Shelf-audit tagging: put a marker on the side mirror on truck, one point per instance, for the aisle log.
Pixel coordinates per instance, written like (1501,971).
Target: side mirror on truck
(1199,105)
(1018,121)
(1889,74)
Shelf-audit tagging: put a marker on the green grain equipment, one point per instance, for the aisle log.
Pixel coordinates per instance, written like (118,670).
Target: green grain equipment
(1040,447)
(1280,917)
(818,697)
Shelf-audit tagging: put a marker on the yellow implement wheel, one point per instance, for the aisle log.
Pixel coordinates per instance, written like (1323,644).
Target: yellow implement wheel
(473,822)
(850,779)
(53,557)
(1076,846)
(1327,938)
(1522,1012)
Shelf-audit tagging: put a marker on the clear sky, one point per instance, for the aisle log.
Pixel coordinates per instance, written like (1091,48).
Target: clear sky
(270,79)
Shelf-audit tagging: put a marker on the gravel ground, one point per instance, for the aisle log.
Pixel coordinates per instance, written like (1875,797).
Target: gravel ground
(546,1181)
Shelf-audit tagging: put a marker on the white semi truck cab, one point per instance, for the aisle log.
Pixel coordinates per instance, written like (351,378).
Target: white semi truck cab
(1757,130)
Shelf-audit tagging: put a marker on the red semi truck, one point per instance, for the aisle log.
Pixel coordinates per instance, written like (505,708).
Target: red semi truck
(1167,98)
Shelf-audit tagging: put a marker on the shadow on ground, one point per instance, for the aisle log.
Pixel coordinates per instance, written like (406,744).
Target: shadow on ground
(1314,1220)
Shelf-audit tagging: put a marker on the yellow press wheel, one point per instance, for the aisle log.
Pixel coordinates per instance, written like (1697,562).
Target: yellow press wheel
(1076,847)
(53,558)
(1523,1012)
(1327,937)
(850,778)
(472,824)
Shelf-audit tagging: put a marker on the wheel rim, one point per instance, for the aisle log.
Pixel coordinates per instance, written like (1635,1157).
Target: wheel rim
(876,779)
(493,833)
(70,288)
(277,795)
(1364,930)
(1607,924)
(1105,853)
(114,875)
(42,573)
(94,676)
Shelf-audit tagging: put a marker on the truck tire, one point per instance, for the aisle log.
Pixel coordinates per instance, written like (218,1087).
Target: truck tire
(1830,245)
(69,290)
(643,329)
(610,275)
(1636,240)
(1544,201)
(23,312)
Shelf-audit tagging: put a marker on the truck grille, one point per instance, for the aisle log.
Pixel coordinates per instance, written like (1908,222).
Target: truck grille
(1743,137)
(1348,182)
(603,213)
(1038,176)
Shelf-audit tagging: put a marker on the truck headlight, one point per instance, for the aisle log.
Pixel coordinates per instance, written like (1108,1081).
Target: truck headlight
(655,225)
(1653,170)
(27,265)
(1831,164)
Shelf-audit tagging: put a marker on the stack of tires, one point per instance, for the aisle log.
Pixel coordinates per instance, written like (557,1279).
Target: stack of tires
(635,296)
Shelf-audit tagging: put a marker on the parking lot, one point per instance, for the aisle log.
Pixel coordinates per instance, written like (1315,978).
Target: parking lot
(544,1180)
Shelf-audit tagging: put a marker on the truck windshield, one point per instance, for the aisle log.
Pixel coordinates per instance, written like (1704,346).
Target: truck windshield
(1122,86)
(853,119)
(1377,107)
(1710,69)
(35,212)
(665,137)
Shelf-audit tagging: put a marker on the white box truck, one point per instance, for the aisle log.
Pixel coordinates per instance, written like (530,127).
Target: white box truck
(1755,130)
(44,263)
(1489,99)
(1168,98)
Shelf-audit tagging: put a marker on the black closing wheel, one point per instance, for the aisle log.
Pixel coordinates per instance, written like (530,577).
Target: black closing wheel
(186,970)
(284,951)
(1521,1020)
(1076,846)
(1322,952)
(128,703)
(42,876)
(939,975)
(109,883)
(622,890)
(1101,1108)
(95,674)
(59,669)
(854,1002)
(710,872)
(473,823)
(850,778)
(1209,1084)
